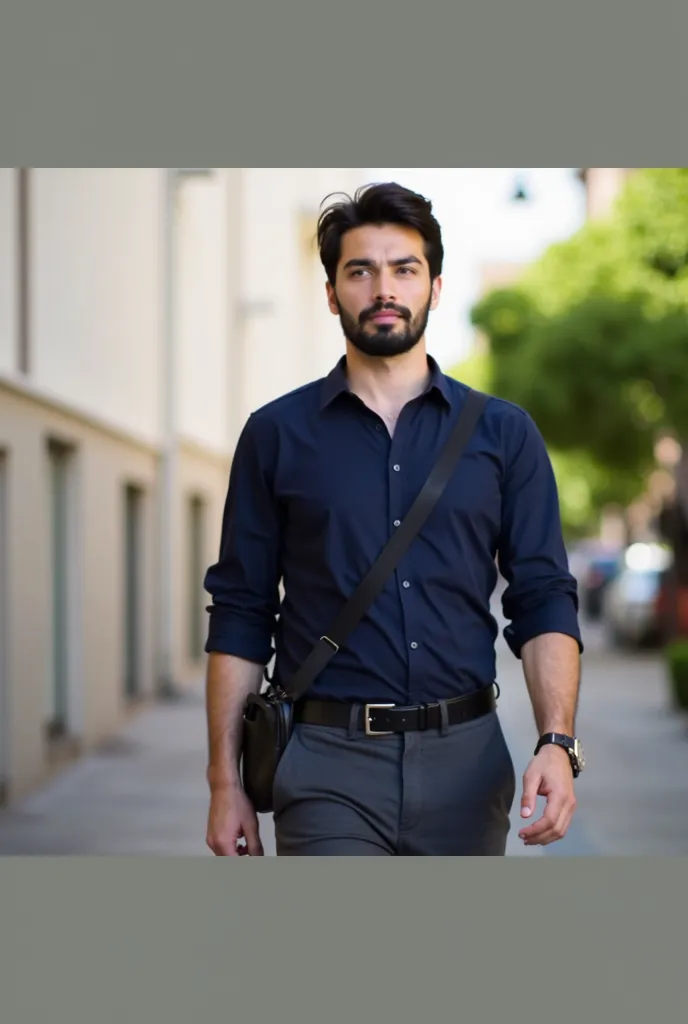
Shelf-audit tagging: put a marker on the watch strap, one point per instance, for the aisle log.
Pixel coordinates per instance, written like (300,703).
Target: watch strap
(561,740)
(558,738)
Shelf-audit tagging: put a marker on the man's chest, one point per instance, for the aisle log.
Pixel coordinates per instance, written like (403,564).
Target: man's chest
(367,480)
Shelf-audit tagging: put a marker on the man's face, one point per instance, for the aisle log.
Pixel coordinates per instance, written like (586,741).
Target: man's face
(383,294)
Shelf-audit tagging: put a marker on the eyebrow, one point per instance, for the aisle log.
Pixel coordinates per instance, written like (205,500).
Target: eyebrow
(401,262)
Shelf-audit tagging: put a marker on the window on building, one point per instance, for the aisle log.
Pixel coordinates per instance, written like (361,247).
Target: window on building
(62,508)
(196,570)
(133,583)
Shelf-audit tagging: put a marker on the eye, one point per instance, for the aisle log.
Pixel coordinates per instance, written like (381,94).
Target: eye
(406,270)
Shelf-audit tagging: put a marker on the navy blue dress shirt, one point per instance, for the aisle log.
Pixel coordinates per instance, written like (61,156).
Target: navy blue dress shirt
(316,488)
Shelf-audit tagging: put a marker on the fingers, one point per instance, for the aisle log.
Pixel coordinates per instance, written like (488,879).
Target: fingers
(552,834)
(554,823)
(559,830)
(547,776)
(545,830)
(240,841)
(531,785)
(254,846)
(221,847)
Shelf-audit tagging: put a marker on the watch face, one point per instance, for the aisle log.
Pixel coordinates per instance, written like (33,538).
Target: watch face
(579,753)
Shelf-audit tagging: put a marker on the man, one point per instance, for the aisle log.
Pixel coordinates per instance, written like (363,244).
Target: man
(321,478)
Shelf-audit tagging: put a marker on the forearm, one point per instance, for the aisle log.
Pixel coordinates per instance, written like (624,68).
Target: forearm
(551,665)
(229,681)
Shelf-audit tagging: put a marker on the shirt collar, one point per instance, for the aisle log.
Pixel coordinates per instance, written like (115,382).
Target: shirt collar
(336,383)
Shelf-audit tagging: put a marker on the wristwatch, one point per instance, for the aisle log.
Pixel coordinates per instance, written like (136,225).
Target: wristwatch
(571,745)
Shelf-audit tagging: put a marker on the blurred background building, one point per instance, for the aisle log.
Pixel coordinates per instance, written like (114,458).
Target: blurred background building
(144,312)
(602,188)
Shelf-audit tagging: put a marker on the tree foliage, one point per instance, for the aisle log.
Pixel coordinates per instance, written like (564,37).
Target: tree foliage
(593,340)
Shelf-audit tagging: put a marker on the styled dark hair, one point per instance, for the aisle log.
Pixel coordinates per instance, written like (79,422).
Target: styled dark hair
(386,203)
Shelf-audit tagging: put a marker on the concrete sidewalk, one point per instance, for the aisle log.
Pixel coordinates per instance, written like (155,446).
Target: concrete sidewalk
(144,792)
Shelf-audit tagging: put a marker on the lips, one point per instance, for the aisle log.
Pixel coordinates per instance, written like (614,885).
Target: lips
(385,318)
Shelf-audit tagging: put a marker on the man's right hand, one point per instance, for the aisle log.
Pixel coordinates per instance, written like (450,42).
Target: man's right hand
(232,818)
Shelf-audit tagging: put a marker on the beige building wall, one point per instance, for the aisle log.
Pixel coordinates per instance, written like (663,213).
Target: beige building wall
(95,285)
(91,603)
(8,244)
(289,335)
(249,321)
(202,488)
(603,185)
(206,232)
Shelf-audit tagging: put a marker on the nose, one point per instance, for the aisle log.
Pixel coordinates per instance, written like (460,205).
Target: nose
(385,287)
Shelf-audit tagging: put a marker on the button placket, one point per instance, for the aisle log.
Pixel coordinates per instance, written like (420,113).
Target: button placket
(395,483)
(396,490)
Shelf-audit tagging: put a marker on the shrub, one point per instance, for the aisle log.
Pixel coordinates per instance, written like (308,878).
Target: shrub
(676,655)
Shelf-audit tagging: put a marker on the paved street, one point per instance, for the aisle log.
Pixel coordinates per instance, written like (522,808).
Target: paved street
(633,796)
(144,791)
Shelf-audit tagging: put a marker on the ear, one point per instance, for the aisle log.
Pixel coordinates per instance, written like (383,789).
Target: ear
(331,299)
(436,290)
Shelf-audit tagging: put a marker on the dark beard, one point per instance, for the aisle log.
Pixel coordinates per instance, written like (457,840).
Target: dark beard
(387,339)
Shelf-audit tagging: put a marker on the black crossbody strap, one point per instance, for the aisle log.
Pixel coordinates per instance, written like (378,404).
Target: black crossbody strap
(384,565)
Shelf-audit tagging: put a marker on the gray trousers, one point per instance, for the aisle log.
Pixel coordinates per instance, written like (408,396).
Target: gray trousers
(418,794)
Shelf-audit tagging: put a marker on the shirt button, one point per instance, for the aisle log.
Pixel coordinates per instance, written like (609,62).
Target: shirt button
(396,468)
(414,645)
(406,584)
(397,522)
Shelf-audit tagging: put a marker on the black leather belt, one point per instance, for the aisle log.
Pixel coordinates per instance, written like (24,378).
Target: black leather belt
(385,719)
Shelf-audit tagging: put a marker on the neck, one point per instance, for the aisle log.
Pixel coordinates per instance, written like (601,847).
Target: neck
(388,384)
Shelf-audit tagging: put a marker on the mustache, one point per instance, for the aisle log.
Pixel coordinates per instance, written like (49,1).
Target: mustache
(387,307)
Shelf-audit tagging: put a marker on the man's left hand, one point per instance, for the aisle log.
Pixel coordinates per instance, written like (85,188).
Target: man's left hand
(549,774)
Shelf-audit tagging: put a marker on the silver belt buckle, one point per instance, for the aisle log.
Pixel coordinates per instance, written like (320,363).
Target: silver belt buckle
(366,718)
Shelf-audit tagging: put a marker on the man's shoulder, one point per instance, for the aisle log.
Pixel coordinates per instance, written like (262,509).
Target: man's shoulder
(283,408)
(498,410)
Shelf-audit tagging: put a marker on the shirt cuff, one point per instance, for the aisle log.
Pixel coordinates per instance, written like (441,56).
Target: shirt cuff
(243,640)
(558,615)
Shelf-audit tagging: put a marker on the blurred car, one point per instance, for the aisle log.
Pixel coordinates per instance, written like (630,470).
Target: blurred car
(602,567)
(631,607)
(579,555)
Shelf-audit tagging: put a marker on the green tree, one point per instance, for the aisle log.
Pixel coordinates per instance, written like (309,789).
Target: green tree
(593,340)
(585,486)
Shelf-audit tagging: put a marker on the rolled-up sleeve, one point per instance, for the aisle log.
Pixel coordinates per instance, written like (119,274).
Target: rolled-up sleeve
(244,582)
(541,595)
